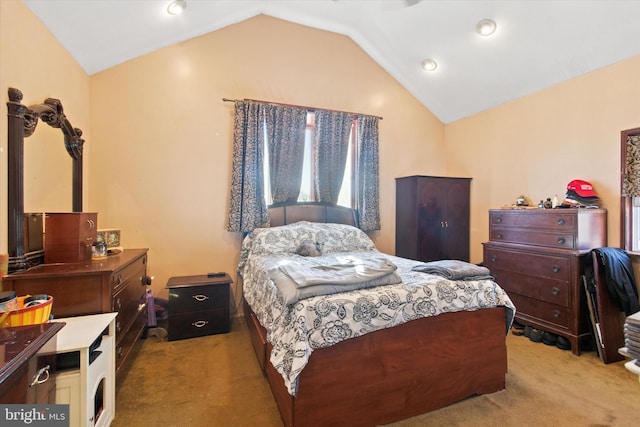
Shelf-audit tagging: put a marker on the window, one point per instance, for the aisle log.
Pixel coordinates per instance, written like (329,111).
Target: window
(630,190)
(346,196)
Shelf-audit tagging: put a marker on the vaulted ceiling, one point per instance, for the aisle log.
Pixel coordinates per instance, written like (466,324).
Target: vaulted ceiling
(538,43)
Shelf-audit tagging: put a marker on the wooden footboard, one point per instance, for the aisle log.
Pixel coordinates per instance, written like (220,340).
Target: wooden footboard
(394,373)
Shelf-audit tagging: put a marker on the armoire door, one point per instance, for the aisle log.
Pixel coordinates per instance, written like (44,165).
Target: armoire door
(432,218)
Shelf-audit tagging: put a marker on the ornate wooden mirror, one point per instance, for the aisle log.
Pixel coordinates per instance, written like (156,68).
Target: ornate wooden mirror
(22,122)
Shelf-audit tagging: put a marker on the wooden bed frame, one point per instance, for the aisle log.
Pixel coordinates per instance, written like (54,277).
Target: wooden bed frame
(392,374)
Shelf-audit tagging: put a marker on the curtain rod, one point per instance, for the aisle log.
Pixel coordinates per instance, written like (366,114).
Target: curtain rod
(299,106)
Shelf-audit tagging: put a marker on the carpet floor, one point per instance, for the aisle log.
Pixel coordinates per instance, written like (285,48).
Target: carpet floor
(216,381)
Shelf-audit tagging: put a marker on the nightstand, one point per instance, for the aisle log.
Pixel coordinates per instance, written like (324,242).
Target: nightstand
(198,306)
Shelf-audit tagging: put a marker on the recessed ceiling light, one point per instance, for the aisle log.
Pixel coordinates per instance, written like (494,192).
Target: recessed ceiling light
(486,27)
(176,7)
(429,64)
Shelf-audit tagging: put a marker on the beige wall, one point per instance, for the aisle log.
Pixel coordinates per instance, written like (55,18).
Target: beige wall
(163,136)
(537,144)
(32,60)
(159,136)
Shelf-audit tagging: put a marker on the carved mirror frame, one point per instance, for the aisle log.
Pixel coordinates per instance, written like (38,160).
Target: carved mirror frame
(21,123)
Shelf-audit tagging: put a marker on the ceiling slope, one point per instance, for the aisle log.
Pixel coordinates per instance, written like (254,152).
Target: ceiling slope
(538,43)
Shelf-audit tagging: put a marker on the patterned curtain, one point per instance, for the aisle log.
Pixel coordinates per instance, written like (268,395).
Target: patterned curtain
(285,141)
(631,181)
(333,129)
(247,208)
(368,189)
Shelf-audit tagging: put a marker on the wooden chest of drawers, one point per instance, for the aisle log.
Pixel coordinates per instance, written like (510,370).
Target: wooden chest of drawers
(117,284)
(537,256)
(198,306)
(69,236)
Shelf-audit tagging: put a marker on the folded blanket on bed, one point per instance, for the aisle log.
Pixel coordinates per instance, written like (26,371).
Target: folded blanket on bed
(297,281)
(455,270)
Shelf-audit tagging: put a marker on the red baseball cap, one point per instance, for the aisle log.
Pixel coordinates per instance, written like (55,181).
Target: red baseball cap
(583,188)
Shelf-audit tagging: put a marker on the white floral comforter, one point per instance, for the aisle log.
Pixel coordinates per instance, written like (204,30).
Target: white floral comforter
(321,321)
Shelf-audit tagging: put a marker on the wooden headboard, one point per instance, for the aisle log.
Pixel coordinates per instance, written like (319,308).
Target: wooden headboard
(283,213)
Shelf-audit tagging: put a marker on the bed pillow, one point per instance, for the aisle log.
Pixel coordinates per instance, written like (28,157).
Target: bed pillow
(287,239)
(342,238)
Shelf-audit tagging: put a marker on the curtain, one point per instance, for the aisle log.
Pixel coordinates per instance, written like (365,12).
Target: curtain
(247,208)
(631,179)
(333,129)
(285,141)
(368,204)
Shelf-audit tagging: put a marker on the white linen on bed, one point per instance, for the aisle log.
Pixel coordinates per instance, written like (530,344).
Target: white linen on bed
(304,277)
(320,321)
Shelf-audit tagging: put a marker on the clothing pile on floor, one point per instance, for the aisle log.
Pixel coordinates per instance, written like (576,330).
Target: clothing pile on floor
(632,337)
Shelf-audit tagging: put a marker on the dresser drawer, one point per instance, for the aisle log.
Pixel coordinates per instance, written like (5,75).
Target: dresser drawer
(198,298)
(547,290)
(557,220)
(544,311)
(125,341)
(529,263)
(533,237)
(133,272)
(197,324)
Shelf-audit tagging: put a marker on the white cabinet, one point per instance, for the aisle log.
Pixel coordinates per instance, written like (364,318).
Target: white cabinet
(87,344)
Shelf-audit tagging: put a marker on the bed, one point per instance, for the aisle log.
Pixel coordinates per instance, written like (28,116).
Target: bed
(371,355)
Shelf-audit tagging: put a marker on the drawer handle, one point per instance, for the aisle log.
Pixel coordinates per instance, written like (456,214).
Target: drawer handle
(119,351)
(118,305)
(555,268)
(561,221)
(555,291)
(200,297)
(118,327)
(37,379)
(494,258)
(561,240)
(499,219)
(200,323)
(556,313)
(499,235)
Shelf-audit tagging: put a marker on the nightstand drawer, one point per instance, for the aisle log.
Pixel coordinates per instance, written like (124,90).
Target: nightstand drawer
(202,323)
(198,298)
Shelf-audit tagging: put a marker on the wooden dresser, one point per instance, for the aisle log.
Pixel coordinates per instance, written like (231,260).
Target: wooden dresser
(537,256)
(432,218)
(117,284)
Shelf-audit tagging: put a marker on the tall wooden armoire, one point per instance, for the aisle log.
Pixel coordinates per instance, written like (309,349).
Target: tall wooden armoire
(432,218)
